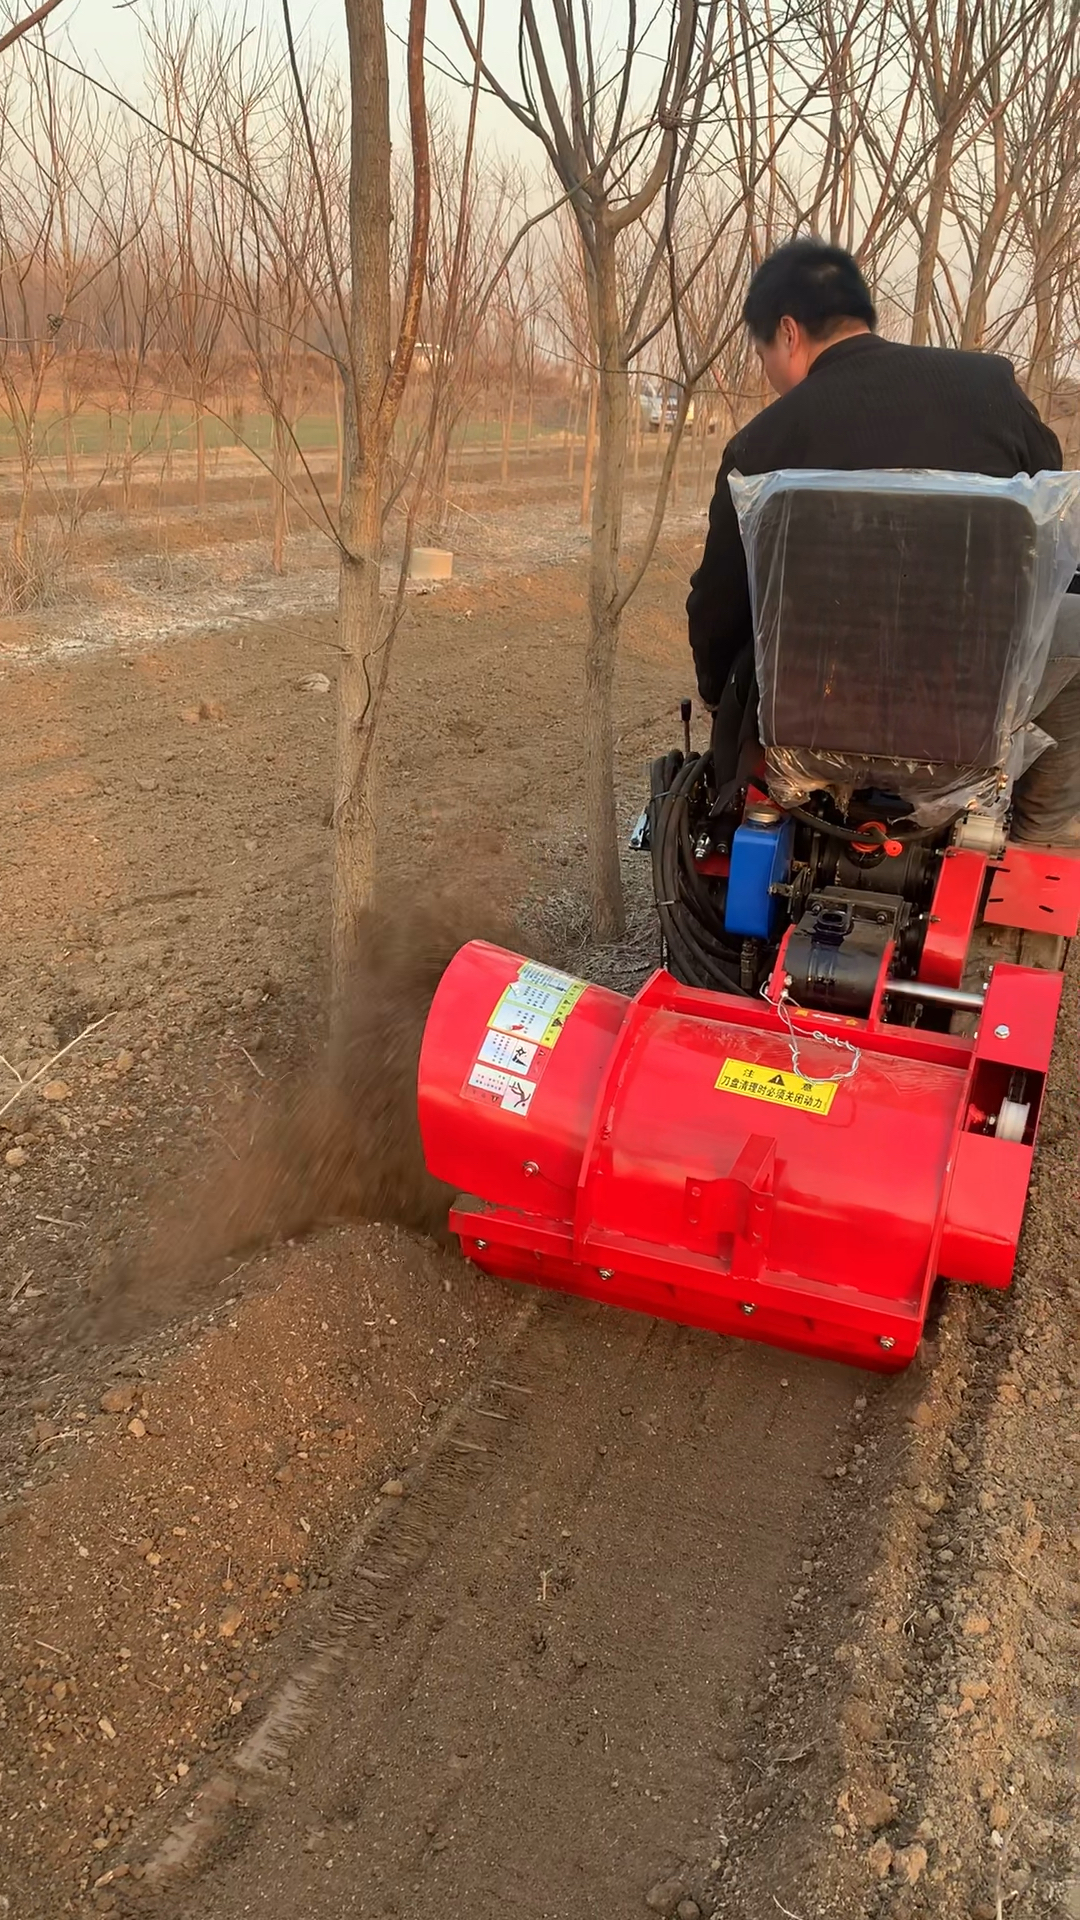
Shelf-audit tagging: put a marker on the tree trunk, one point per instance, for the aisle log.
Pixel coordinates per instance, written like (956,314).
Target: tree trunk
(441,462)
(339,436)
(701,421)
(444,469)
(358,622)
(609,413)
(200,458)
(931,240)
(128,471)
(69,436)
(1006,175)
(22,518)
(508,429)
(1040,373)
(365,443)
(573,416)
(590,454)
(281,493)
(973,326)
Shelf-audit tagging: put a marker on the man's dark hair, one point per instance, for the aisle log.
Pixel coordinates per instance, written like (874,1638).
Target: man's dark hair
(817,285)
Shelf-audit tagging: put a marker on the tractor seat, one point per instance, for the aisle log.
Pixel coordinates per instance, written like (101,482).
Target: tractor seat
(895,620)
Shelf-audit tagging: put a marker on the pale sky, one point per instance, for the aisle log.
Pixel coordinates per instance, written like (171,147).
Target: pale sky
(104,37)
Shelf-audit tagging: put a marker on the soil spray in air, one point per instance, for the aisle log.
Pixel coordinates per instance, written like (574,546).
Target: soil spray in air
(340,1141)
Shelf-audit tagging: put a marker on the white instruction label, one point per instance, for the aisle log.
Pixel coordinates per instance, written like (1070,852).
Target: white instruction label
(503,1050)
(531,1011)
(521,1034)
(507,1090)
(522,1022)
(539,976)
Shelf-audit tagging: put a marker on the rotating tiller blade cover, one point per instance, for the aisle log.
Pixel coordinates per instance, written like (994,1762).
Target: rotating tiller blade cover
(660,1153)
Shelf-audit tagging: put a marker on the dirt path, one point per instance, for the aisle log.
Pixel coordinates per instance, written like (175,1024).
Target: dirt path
(536,1720)
(134,579)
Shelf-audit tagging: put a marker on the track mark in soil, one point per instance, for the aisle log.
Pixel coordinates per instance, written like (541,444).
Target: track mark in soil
(536,1706)
(379,1566)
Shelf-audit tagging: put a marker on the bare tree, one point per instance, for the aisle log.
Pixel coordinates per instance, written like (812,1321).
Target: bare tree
(48,255)
(186,78)
(626,113)
(1049,204)
(131,310)
(612,159)
(472,209)
(377,368)
(278,281)
(958,46)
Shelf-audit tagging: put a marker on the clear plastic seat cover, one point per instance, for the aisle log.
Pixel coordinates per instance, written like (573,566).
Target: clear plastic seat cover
(902,624)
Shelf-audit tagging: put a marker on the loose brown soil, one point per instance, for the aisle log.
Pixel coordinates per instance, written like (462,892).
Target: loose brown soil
(636,1612)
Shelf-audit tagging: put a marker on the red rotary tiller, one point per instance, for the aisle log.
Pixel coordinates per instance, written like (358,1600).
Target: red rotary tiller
(828,1095)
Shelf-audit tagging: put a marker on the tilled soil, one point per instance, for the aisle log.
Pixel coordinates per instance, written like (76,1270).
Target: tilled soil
(539,1718)
(341,1580)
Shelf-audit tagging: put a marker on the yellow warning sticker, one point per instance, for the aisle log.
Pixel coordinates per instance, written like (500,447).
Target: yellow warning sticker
(781,1089)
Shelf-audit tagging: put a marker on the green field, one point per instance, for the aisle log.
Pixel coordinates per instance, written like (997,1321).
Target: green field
(102,435)
(98,435)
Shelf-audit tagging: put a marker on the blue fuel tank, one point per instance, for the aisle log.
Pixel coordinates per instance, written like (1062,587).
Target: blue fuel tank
(760,860)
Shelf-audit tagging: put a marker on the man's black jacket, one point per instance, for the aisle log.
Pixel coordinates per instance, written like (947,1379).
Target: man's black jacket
(865,403)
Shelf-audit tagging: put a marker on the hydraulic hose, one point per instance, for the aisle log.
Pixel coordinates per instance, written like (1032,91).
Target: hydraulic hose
(692,928)
(700,951)
(869,835)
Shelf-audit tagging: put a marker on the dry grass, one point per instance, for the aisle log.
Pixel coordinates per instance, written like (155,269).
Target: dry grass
(36,577)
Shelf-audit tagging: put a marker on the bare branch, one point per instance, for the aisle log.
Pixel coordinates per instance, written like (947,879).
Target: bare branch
(27,24)
(421,216)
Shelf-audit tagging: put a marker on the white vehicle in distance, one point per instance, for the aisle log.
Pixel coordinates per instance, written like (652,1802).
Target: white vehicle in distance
(660,405)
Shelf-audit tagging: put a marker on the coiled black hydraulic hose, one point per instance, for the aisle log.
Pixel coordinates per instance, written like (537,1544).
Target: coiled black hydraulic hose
(693,929)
